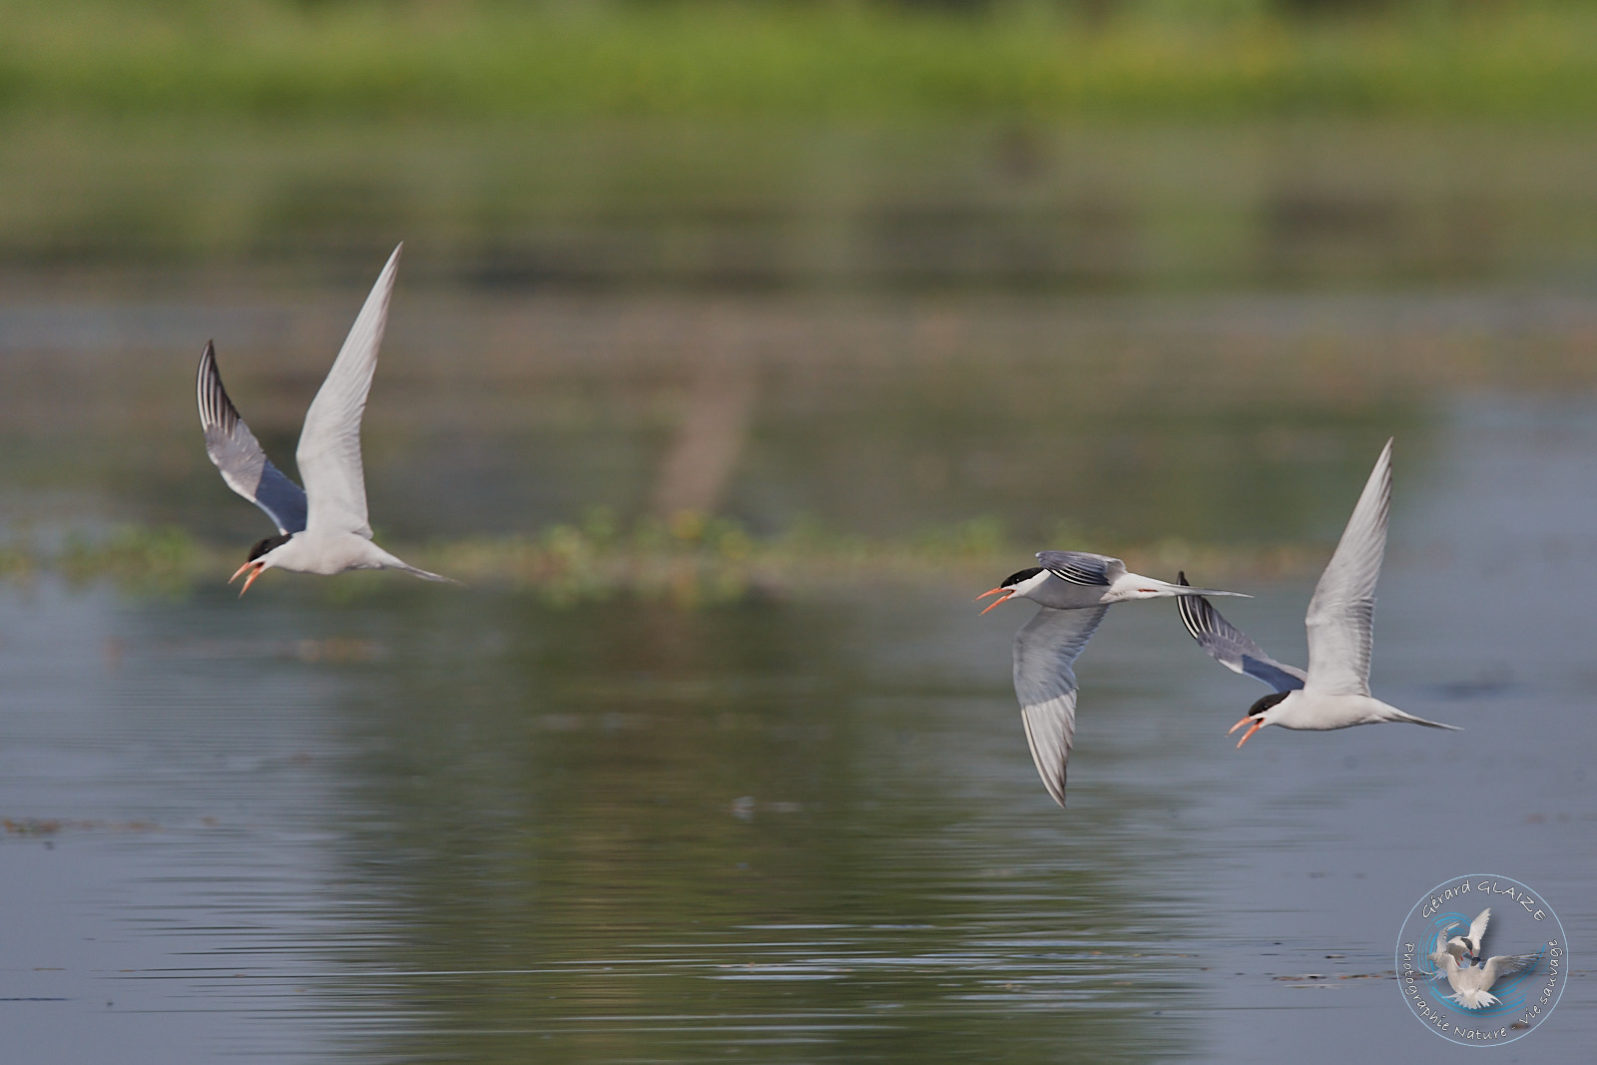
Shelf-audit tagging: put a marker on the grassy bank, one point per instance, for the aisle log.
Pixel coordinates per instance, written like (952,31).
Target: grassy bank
(689,561)
(271,58)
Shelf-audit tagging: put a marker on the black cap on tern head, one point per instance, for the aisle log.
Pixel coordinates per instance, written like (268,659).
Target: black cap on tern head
(269,544)
(1265,703)
(1024,575)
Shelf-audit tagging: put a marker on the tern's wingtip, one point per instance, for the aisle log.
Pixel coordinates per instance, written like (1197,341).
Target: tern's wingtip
(391,267)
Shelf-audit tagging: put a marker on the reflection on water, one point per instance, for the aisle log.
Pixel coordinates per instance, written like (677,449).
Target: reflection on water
(462,826)
(1008,206)
(621,834)
(731,833)
(503,416)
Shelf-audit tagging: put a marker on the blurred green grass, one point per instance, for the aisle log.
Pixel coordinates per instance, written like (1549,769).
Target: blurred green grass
(834,145)
(489,58)
(688,559)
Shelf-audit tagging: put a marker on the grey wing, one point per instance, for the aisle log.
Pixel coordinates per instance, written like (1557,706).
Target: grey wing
(1081,567)
(1341,615)
(1230,646)
(329,445)
(236,453)
(1045,650)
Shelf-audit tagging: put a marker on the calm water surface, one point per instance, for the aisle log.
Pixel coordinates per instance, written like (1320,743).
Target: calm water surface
(423,824)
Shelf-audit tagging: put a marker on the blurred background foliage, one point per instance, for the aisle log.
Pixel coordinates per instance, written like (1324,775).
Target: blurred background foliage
(871,268)
(1004,145)
(1043,59)
(1017,207)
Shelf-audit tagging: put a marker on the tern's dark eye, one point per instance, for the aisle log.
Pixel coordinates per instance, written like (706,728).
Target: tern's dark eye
(1265,703)
(268,544)
(1024,575)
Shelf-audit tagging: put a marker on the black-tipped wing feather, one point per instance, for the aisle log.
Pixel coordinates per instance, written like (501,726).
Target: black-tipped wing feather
(1230,646)
(1045,650)
(237,454)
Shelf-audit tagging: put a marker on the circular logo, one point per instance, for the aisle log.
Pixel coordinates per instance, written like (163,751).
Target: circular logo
(1481,959)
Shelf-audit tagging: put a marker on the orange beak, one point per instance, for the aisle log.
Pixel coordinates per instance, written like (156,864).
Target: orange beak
(1254,723)
(256,568)
(1005,592)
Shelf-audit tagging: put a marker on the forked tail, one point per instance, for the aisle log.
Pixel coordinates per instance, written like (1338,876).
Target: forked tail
(1472,999)
(1136,586)
(417,571)
(377,558)
(1185,589)
(1152,588)
(1411,719)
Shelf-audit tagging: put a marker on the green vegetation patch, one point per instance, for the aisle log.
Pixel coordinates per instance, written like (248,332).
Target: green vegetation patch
(688,560)
(273,58)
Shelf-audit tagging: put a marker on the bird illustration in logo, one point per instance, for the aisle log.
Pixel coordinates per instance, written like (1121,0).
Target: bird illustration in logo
(1472,984)
(1470,943)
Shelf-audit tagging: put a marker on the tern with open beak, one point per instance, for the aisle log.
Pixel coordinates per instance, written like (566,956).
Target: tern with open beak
(322,528)
(1335,691)
(1074,589)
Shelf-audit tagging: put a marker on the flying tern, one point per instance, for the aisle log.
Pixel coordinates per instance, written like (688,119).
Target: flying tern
(1472,984)
(1074,590)
(1335,691)
(322,528)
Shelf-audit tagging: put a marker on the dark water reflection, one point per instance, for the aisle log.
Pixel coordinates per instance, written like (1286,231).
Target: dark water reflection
(617,834)
(693,835)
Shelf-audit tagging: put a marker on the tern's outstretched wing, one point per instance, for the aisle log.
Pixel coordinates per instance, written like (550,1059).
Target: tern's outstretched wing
(1081,567)
(236,453)
(1477,930)
(1501,965)
(1342,613)
(1045,649)
(329,445)
(1230,646)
